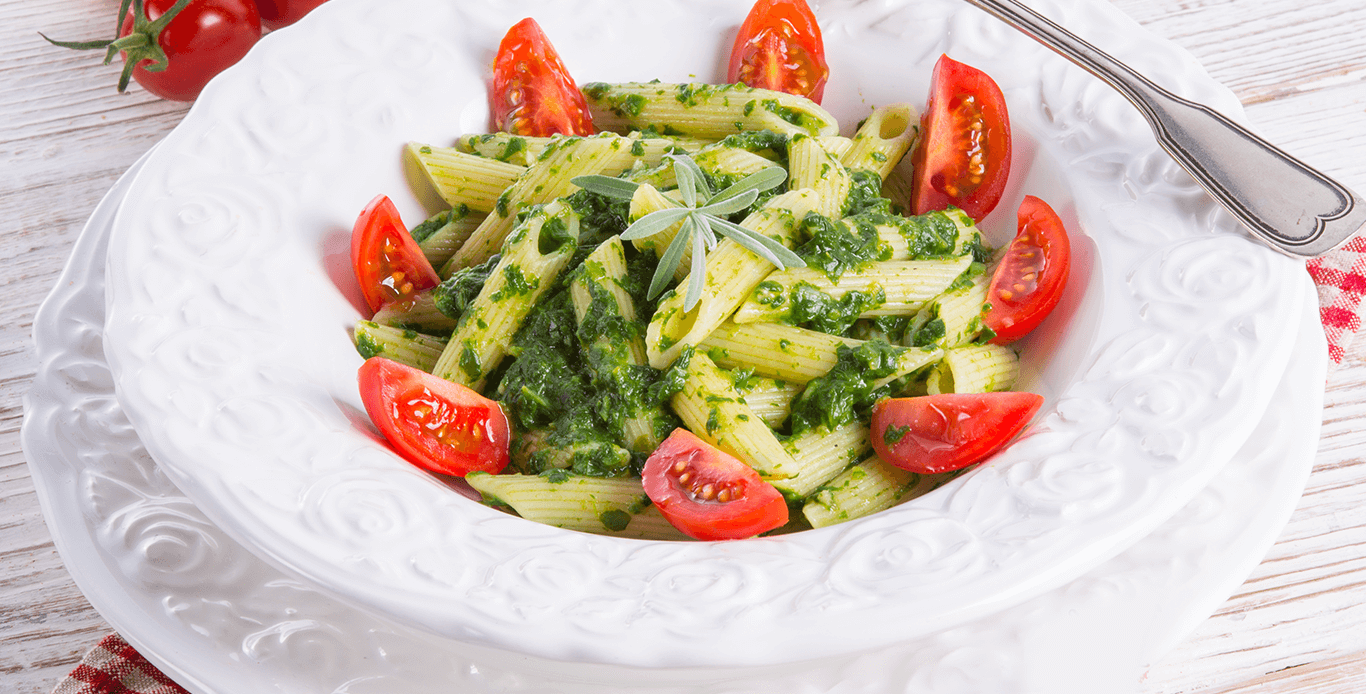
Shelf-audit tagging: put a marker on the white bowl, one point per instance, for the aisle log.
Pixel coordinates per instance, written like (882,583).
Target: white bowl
(230,298)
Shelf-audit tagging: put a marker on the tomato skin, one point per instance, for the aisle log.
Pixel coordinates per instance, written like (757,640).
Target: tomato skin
(388,263)
(282,13)
(779,47)
(946,173)
(465,431)
(207,37)
(753,506)
(1030,279)
(533,94)
(949,431)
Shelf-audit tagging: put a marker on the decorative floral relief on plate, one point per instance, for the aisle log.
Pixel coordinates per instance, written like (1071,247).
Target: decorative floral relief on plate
(229,302)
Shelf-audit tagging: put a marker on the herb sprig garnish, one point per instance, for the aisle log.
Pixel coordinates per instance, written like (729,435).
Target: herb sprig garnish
(700,222)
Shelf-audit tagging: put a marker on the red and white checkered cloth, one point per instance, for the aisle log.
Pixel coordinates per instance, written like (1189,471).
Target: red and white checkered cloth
(113,667)
(1341,279)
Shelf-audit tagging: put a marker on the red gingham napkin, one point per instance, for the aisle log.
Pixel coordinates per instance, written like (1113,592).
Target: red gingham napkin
(1341,279)
(113,667)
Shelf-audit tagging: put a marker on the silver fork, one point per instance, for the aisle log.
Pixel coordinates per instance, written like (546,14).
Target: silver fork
(1289,205)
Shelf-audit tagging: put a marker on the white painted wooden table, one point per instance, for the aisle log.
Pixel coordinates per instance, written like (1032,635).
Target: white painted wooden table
(1297,625)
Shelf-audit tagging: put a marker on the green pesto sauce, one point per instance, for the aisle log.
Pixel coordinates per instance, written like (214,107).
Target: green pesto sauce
(809,306)
(514,146)
(637,149)
(515,283)
(615,519)
(454,296)
(501,205)
(469,363)
(846,392)
(893,435)
(805,121)
(836,248)
(758,141)
(554,236)
(439,221)
(367,346)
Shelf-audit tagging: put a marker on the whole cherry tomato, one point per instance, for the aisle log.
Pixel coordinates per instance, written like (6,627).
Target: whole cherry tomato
(205,38)
(533,94)
(282,13)
(963,155)
(779,47)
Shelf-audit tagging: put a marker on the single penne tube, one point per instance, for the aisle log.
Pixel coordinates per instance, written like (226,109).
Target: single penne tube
(599,505)
(514,149)
(820,454)
(866,488)
(522,275)
(732,271)
(812,167)
(863,489)
(934,233)
(779,351)
(704,110)
(882,140)
(975,369)
(534,453)
(649,199)
(712,408)
(770,398)
(401,345)
(904,286)
(598,297)
(549,178)
(722,160)
(418,313)
(443,234)
(960,310)
(465,179)
(836,145)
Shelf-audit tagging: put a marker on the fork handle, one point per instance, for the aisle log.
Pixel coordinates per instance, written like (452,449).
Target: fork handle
(1289,205)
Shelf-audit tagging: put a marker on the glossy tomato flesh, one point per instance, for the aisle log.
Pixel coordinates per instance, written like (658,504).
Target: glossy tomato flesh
(207,37)
(1029,281)
(709,494)
(388,263)
(962,158)
(533,94)
(940,433)
(433,423)
(282,13)
(779,47)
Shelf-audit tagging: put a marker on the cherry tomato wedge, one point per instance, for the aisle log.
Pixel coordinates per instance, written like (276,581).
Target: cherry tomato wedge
(709,494)
(387,261)
(779,47)
(941,433)
(963,155)
(533,94)
(433,423)
(1031,277)
(205,38)
(281,13)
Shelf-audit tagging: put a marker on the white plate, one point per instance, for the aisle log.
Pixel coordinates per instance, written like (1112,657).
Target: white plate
(230,297)
(201,607)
